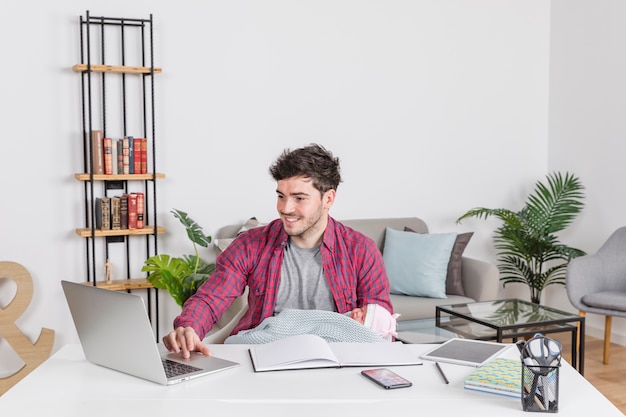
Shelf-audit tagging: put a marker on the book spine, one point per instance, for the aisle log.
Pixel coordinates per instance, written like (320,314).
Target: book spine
(131,155)
(494,391)
(140,211)
(103,213)
(125,157)
(107,145)
(120,156)
(124,211)
(138,147)
(116,221)
(144,155)
(132,211)
(97,151)
(114,156)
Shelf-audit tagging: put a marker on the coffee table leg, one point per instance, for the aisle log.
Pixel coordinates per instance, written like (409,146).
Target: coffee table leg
(575,334)
(581,348)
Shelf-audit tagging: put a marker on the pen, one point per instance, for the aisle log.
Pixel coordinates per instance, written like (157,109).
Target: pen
(441,372)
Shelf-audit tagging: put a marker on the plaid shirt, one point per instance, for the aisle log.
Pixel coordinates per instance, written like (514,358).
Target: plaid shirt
(351,261)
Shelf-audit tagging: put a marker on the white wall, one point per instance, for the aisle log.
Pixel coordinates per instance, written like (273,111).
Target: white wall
(587,125)
(434,107)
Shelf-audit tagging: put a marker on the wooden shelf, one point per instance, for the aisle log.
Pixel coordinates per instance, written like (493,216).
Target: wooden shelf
(122,284)
(148,230)
(115,68)
(118,177)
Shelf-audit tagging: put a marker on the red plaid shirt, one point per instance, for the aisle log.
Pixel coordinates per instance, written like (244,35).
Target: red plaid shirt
(351,261)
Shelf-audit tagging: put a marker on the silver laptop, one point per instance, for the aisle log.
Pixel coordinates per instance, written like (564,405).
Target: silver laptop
(115,332)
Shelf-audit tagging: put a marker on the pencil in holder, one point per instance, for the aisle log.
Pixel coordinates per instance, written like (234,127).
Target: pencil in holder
(541,360)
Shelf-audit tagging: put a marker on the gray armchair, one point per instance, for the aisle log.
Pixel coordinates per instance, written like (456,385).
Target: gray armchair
(597,283)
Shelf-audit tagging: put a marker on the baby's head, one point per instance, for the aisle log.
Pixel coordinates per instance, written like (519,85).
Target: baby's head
(377,318)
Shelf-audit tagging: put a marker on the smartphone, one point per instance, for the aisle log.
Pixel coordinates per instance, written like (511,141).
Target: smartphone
(386,378)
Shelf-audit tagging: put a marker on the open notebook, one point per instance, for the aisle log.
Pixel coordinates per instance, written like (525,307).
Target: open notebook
(115,332)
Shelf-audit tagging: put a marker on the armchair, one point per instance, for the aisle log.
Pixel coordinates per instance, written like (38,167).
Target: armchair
(596,283)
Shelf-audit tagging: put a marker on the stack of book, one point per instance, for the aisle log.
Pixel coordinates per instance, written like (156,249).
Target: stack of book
(128,155)
(499,376)
(120,212)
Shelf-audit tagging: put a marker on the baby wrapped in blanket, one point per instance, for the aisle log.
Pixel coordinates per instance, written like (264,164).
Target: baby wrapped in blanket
(371,323)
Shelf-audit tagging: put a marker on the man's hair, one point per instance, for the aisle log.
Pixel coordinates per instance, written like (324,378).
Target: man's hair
(312,161)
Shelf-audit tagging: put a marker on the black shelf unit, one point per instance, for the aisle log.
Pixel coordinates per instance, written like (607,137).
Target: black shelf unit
(117,75)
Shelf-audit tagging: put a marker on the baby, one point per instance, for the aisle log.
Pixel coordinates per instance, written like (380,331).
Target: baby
(376,318)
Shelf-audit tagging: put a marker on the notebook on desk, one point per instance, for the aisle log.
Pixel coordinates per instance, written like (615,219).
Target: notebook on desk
(115,332)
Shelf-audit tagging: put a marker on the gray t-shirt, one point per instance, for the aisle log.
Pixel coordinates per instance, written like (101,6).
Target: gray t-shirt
(303,284)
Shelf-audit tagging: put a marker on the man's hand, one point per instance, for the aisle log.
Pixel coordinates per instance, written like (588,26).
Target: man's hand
(186,340)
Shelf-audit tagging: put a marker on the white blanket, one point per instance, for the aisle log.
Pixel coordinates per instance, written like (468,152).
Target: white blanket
(333,327)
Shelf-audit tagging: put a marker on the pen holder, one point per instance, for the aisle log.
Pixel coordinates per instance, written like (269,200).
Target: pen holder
(541,360)
(540,388)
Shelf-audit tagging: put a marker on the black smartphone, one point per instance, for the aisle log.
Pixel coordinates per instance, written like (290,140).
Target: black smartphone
(386,378)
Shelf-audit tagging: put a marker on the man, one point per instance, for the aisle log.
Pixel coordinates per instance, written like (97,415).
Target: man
(303,260)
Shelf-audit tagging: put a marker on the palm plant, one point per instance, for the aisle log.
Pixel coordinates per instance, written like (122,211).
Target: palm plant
(182,276)
(529,252)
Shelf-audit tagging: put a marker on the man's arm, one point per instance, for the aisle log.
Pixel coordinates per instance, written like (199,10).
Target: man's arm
(355,269)
(204,308)
(373,282)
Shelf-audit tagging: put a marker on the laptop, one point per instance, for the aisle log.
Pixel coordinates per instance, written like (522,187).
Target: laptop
(115,332)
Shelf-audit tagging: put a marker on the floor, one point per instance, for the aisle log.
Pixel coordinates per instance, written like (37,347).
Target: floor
(609,379)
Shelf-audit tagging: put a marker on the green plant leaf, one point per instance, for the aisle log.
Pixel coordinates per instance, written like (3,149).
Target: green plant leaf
(182,276)
(194,231)
(529,252)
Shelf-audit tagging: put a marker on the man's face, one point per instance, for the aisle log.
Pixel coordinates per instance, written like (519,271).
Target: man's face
(303,211)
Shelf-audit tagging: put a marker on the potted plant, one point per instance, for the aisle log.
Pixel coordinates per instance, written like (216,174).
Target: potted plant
(182,276)
(529,252)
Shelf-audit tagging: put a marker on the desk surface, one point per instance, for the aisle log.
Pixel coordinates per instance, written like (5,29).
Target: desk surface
(68,385)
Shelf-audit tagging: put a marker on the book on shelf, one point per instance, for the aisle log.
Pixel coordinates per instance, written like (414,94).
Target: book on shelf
(137,155)
(124,211)
(140,210)
(131,154)
(125,156)
(132,210)
(308,351)
(144,155)
(114,156)
(103,213)
(120,156)
(116,220)
(107,146)
(501,376)
(97,151)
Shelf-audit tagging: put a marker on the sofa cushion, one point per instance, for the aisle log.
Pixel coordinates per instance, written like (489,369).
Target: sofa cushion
(412,308)
(417,264)
(251,223)
(609,300)
(454,279)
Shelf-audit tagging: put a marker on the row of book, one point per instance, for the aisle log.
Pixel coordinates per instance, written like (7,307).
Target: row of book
(128,155)
(120,212)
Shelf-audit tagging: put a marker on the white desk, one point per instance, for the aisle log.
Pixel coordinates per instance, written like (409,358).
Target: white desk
(67,385)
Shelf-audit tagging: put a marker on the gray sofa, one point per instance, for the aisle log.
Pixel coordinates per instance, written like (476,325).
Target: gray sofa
(480,279)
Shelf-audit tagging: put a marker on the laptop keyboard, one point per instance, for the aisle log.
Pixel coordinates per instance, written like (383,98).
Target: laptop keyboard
(173,369)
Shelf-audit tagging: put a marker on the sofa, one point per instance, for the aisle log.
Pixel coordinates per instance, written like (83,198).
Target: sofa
(479,280)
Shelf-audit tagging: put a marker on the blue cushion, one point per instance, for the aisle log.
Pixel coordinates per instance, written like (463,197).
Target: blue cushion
(417,264)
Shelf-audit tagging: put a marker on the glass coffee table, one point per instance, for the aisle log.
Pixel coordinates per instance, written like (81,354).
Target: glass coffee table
(496,320)
(511,319)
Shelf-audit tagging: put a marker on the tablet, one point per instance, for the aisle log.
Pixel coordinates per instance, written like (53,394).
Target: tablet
(465,351)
